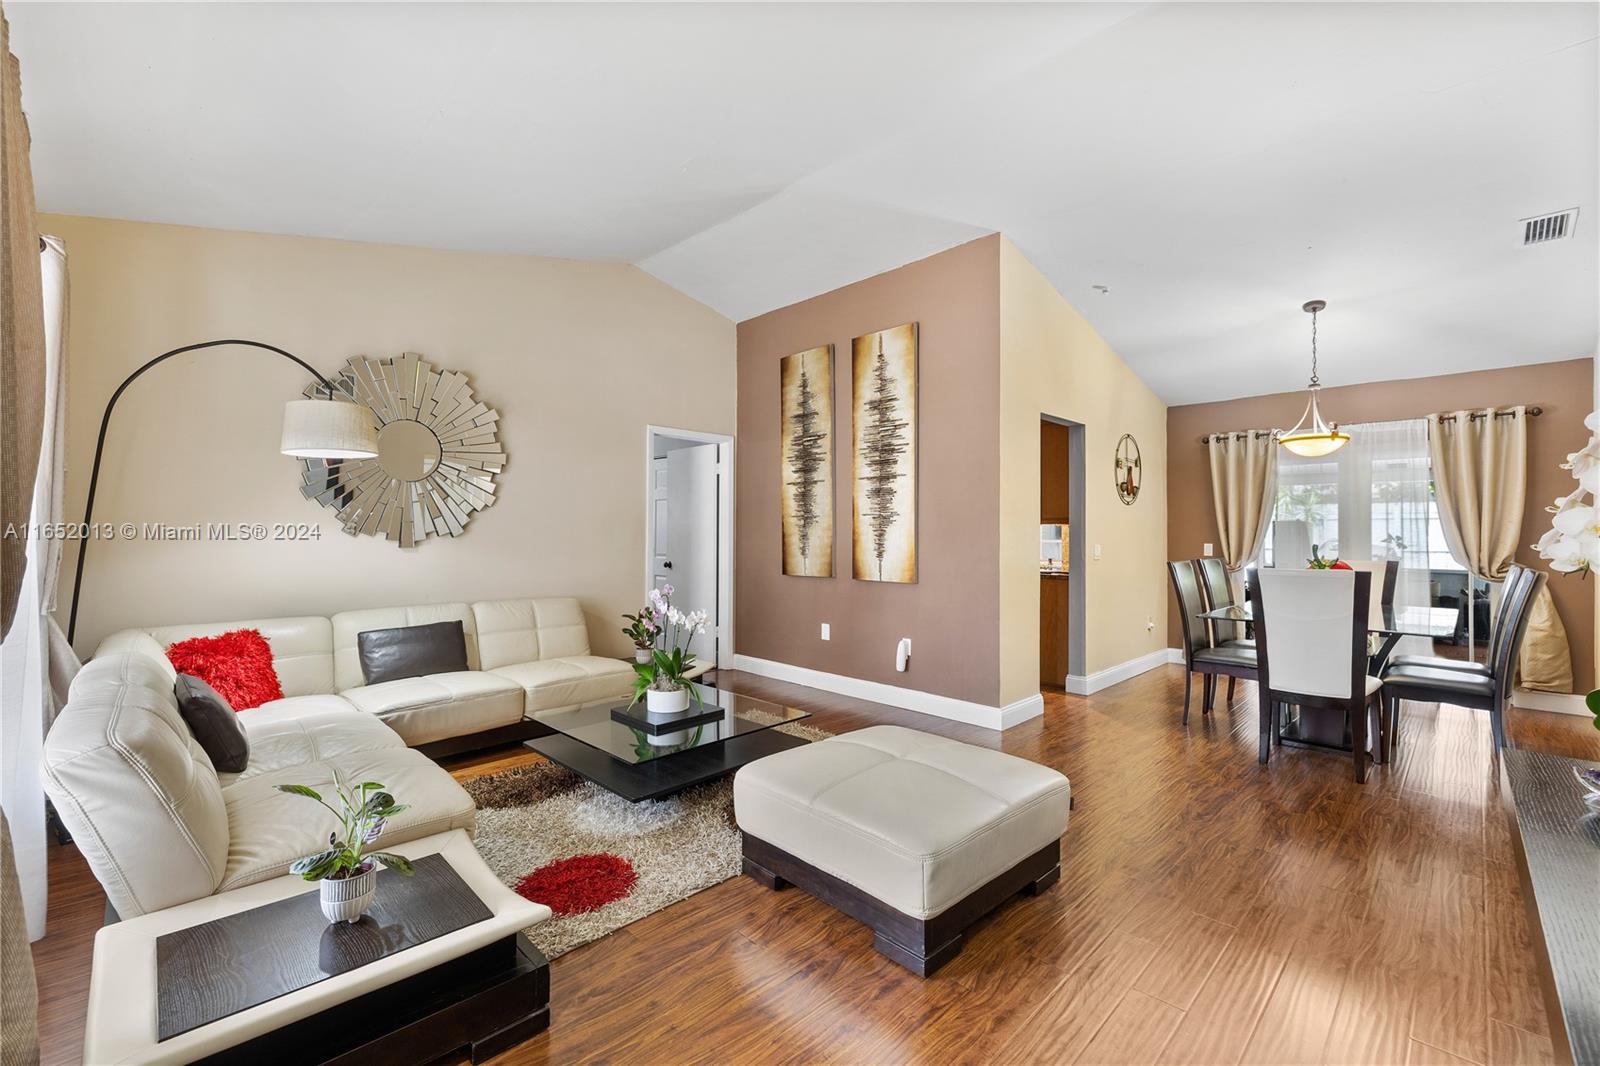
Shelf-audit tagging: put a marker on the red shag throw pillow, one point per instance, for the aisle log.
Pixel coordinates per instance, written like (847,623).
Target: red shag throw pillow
(237,664)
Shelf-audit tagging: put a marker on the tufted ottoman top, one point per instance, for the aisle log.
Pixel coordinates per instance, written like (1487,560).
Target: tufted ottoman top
(915,820)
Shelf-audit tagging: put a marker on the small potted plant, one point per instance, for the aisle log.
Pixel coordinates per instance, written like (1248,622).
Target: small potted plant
(642,629)
(663,682)
(1317,562)
(347,872)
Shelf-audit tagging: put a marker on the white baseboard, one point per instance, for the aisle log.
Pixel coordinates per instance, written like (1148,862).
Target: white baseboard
(1559,702)
(1087,685)
(979,714)
(1175,656)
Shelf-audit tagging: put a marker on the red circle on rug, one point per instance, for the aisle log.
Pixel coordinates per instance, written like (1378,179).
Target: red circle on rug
(580,884)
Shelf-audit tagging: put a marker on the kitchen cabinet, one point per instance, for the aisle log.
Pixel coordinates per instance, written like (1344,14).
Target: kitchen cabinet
(1053,614)
(1053,473)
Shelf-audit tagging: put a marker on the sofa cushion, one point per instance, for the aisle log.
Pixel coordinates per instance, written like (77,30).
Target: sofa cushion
(215,725)
(915,820)
(135,789)
(411,651)
(269,829)
(521,631)
(308,729)
(302,647)
(237,664)
(349,625)
(557,684)
(424,709)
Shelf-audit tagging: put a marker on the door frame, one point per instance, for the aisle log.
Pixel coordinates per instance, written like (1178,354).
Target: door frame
(724,443)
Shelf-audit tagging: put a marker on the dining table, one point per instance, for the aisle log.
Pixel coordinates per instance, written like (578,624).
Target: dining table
(1308,727)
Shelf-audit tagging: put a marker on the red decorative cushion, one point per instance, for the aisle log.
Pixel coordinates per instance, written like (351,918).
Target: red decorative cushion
(580,884)
(237,664)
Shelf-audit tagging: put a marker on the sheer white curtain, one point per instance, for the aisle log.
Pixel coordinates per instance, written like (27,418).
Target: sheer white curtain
(35,660)
(1369,500)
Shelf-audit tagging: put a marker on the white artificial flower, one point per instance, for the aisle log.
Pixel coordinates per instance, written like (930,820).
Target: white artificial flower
(1593,422)
(1585,466)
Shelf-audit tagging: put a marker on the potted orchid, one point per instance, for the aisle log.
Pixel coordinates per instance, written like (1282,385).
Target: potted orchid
(663,682)
(347,873)
(642,629)
(1572,543)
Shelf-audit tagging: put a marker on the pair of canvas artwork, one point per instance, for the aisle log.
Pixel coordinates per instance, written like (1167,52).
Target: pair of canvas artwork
(883,465)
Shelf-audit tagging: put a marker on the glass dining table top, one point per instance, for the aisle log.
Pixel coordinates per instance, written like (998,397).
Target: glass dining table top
(1436,623)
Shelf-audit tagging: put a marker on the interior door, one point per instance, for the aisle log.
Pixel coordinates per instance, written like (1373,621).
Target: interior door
(691,522)
(660,504)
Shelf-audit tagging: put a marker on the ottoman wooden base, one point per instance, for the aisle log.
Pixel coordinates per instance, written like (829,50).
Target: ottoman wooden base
(920,945)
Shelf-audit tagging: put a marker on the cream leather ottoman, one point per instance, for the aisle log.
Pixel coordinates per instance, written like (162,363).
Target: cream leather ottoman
(915,835)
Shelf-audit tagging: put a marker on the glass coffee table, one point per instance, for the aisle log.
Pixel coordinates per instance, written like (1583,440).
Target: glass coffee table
(657,759)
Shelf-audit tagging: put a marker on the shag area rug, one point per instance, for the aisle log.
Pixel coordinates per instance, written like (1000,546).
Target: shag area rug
(596,860)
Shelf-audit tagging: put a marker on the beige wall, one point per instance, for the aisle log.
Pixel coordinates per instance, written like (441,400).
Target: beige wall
(1054,363)
(951,612)
(578,356)
(1565,390)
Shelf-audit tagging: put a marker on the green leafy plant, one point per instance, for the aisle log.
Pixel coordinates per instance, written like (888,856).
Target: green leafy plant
(1317,562)
(1592,701)
(362,812)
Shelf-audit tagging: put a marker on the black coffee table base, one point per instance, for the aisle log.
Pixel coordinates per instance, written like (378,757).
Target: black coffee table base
(669,774)
(483,1003)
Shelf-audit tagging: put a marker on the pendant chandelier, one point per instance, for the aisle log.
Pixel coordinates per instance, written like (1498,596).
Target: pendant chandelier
(1311,436)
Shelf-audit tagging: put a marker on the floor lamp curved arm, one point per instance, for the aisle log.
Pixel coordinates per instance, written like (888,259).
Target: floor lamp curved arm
(365,447)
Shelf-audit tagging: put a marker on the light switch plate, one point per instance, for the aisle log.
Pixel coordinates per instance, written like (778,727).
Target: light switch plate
(827,633)
(1097,551)
(1208,552)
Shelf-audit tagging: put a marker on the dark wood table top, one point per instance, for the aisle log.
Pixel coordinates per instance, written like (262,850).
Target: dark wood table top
(1560,852)
(218,968)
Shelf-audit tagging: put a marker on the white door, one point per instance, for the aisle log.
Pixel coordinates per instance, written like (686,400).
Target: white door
(660,574)
(690,562)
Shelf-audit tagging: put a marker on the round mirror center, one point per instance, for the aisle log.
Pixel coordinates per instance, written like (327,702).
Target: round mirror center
(408,450)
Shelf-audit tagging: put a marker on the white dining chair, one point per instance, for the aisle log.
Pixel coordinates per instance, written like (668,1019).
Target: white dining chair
(1311,649)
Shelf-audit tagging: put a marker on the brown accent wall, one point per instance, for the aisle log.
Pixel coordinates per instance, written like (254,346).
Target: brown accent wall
(1565,391)
(952,612)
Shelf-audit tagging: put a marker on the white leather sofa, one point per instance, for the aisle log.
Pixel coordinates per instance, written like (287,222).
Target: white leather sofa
(527,657)
(160,826)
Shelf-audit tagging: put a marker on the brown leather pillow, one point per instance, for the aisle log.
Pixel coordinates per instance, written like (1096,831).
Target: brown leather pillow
(215,725)
(412,651)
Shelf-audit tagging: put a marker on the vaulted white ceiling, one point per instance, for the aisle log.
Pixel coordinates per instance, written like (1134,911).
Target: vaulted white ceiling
(1212,165)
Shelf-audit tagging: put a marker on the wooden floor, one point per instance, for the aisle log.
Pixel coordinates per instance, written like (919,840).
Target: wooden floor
(1210,910)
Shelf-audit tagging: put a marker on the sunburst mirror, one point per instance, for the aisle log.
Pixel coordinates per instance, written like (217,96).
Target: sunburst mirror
(438,452)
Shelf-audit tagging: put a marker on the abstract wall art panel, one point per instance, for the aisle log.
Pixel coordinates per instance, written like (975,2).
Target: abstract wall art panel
(805,385)
(883,411)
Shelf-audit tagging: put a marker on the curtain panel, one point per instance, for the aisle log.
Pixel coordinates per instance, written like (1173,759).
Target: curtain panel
(1244,483)
(21,330)
(1480,475)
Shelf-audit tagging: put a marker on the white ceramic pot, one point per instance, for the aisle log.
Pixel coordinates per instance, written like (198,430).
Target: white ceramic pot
(665,704)
(643,655)
(347,899)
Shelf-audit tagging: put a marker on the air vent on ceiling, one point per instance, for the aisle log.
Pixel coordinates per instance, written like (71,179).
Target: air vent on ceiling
(1554,227)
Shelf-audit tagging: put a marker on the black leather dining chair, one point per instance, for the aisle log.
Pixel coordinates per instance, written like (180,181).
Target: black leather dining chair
(1489,691)
(1217,591)
(1200,655)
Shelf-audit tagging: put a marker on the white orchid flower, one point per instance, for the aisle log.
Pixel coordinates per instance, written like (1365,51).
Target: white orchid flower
(1585,466)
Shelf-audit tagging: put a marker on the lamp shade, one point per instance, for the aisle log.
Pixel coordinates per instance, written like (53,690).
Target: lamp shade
(328,429)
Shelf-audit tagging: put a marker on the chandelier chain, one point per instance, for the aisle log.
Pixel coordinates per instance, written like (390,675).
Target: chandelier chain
(1315,383)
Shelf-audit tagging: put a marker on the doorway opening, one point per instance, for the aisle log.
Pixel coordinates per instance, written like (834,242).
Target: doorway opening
(1062,577)
(688,530)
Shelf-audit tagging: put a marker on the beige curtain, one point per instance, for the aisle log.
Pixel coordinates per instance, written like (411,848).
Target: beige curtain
(21,420)
(1244,484)
(21,330)
(1480,479)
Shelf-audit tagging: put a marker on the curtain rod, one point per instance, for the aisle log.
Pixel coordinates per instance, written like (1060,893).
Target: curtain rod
(1533,412)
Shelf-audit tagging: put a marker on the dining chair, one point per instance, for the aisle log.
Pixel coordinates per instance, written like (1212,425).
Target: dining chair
(1496,634)
(1200,655)
(1489,691)
(1311,643)
(1216,589)
(1383,573)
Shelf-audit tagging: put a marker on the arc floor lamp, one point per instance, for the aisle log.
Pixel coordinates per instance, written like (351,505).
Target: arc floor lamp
(312,429)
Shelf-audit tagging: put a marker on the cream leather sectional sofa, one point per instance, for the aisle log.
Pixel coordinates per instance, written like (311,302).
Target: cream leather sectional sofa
(527,657)
(160,826)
